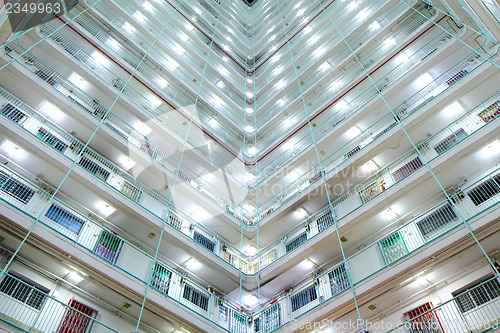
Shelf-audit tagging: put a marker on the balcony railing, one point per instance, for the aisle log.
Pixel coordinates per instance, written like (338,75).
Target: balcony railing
(326,126)
(119,181)
(30,309)
(403,111)
(452,316)
(75,51)
(471,122)
(338,83)
(435,223)
(157,154)
(444,140)
(407,240)
(106,245)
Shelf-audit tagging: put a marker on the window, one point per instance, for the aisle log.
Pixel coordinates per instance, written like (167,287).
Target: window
(11,112)
(436,220)
(94,168)
(24,290)
(296,242)
(51,140)
(338,279)
(487,189)
(64,219)
(478,294)
(304,297)
(195,296)
(204,241)
(161,278)
(15,188)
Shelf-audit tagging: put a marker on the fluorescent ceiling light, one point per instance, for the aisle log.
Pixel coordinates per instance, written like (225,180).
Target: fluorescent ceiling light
(249,129)
(14,151)
(402,58)
(189,27)
(148,6)
(249,178)
(105,209)
(220,84)
(363,14)
(353,132)
(301,212)
(389,42)
(224,58)
(424,80)
(197,10)
(172,64)
(307,264)
(154,101)
(342,104)
(252,151)
(353,5)
(139,16)
(212,122)
(325,66)
(193,264)
(179,49)
(492,150)
(162,82)
(226,48)
(320,51)
(230,30)
(249,110)
(74,277)
(249,80)
(281,101)
(375,25)
(251,300)
(453,110)
(52,112)
(78,81)
(249,94)
(126,162)
(308,29)
(142,128)
(313,39)
(301,12)
(99,58)
(250,250)
(114,43)
(280,84)
(128,27)
(369,167)
(224,71)
(200,214)
(217,100)
(184,37)
(389,214)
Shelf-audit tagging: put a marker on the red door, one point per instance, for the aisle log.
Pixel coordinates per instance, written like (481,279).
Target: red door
(77,321)
(424,320)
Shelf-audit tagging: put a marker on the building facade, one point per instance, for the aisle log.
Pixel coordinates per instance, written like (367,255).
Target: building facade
(258,166)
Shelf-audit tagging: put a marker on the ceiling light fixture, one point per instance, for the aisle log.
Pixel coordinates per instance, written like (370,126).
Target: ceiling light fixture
(249,129)
(193,264)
